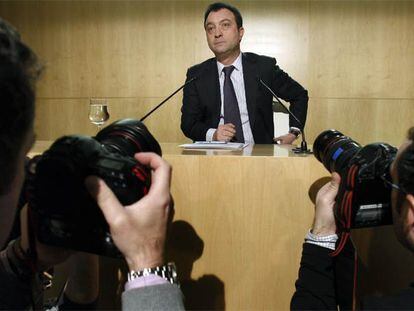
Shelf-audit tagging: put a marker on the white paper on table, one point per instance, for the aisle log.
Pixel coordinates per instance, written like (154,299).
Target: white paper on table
(218,145)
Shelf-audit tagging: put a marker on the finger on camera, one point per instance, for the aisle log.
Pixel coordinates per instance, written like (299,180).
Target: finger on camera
(335,181)
(150,159)
(161,176)
(106,199)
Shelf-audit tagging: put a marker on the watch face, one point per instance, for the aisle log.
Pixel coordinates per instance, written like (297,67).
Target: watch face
(294,132)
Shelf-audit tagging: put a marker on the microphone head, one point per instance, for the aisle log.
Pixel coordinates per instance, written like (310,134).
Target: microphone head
(259,79)
(192,79)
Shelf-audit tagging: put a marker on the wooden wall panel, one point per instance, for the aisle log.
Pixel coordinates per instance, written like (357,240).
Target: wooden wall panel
(74,113)
(361,49)
(343,52)
(279,29)
(354,57)
(108,49)
(364,120)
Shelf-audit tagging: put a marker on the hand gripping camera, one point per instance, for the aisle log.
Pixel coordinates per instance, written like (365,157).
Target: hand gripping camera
(64,212)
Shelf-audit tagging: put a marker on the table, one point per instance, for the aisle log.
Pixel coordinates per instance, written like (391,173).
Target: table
(251,210)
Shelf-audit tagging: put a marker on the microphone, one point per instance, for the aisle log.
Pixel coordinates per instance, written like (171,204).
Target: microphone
(161,103)
(303,145)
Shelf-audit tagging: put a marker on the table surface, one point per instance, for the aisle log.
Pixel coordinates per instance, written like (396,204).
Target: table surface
(174,149)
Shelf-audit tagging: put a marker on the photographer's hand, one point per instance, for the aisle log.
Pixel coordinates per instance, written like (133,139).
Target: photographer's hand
(138,230)
(324,220)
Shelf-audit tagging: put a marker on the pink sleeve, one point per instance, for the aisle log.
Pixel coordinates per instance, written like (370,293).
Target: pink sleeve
(142,281)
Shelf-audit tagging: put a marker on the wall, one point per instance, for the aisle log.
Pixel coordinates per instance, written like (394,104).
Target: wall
(354,57)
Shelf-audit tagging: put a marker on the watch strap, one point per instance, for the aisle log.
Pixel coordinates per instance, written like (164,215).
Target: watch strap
(295,131)
(167,272)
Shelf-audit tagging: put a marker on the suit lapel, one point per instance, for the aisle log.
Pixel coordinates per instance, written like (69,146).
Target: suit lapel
(212,88)
(250,85)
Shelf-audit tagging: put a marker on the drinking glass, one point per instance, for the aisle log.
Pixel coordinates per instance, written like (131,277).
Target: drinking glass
(98,111)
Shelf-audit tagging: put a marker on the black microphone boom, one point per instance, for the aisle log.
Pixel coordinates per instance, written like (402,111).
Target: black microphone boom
(303,145)
(161,103)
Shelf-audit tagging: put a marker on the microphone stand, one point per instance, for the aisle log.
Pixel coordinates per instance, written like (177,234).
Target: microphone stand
(161,103)
(303,149)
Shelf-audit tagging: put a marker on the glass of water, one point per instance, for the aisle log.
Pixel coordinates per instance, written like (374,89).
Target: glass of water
(98,111)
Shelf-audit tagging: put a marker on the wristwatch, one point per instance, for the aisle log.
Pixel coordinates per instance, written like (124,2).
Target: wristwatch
(295,131)
(167,272)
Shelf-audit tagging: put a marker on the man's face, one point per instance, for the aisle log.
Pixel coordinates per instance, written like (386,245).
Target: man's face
(223,35)
(9,201)
(402,207)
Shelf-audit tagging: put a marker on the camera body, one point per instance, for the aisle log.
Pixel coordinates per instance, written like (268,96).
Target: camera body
(65,214)
(364,198)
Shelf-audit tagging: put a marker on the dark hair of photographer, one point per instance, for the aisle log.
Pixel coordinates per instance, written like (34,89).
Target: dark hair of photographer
(403,193)
(19,70)
(405,169)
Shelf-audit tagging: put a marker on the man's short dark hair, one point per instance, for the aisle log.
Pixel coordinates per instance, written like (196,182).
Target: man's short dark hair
(405,166)
(19,70)
(220,5)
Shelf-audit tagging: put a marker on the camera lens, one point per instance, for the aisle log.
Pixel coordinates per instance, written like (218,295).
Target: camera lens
(334,150)
(127,137)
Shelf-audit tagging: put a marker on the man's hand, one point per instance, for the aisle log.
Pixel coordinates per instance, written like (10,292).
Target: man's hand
(225,132)
(138,230)
(286,139)
(324,221)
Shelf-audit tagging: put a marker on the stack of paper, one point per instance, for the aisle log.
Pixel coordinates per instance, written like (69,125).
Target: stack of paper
(221,145)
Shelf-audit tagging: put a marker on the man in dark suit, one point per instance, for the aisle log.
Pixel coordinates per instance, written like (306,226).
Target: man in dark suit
(226,102)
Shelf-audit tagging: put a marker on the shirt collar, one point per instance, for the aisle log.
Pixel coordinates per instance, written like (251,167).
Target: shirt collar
(237,64)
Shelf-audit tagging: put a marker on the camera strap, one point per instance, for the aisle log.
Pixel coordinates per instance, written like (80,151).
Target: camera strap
(344,210)
(32,252)
(344,218)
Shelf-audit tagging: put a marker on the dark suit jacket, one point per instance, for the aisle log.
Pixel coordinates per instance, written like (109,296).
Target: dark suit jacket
(318,287)
(202,101)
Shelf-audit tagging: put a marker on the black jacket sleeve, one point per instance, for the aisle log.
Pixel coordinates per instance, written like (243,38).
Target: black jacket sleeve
(291,91)
(315,287)
(325,282)
(193,114)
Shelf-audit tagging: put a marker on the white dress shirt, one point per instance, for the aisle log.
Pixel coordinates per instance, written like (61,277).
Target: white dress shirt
(238,84)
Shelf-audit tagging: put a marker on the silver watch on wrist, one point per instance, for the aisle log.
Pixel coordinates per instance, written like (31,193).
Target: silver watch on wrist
(167,272)
(295,131)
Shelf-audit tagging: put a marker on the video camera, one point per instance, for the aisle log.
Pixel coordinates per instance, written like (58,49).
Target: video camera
(65,214)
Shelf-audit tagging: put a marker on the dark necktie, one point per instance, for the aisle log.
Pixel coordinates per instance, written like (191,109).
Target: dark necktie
(231,107)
